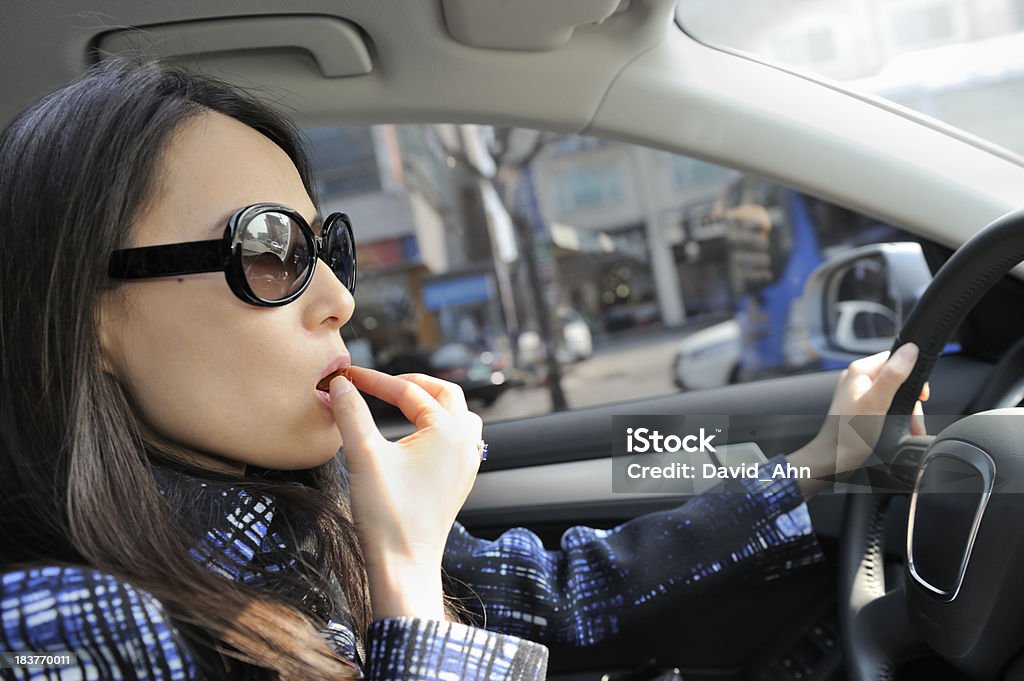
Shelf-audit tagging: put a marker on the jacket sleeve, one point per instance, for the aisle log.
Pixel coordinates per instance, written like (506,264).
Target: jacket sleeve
(415,649)
(110,630)
(602,581)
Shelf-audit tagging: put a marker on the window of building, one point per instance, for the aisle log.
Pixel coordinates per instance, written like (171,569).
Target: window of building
(586,187)
(425,160)
(918,26)
(815,46)
(688,173)
(344,160)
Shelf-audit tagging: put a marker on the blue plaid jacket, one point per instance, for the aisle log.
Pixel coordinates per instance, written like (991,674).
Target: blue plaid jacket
(598,583)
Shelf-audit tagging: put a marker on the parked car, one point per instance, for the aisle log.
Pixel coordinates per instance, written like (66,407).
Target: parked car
(480,373)
(578,340)
(531,349)
(708,358)
(630,315)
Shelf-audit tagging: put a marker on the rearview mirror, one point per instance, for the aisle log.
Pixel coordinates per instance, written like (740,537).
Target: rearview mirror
(856,302)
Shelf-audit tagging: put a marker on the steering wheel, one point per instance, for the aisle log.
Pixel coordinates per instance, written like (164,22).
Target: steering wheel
(962,595)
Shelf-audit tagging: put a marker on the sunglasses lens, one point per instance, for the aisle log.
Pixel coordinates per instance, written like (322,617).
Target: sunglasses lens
(340,254)
(277,257)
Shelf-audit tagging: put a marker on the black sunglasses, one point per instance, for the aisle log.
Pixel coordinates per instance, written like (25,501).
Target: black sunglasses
(268,255)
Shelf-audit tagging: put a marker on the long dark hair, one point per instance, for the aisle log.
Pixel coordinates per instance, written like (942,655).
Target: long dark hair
(77,481)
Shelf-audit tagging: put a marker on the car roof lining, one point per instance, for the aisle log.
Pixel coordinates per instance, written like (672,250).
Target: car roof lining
(419,72)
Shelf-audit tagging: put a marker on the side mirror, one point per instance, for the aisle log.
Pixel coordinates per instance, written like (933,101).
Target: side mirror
(856,302)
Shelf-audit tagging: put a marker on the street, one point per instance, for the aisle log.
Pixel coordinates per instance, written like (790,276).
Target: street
(625,369)
(620,369)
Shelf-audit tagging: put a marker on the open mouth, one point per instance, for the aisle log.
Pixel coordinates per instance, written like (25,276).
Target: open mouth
(339,366)
(323,386)
(325,383)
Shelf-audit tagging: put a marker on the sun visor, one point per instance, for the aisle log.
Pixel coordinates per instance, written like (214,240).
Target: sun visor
(336,46)
(536,25)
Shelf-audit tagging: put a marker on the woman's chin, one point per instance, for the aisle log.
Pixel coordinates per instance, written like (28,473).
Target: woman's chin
(312,457)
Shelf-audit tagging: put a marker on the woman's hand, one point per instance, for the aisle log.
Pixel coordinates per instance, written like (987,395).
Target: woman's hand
(866,388)
(406,494)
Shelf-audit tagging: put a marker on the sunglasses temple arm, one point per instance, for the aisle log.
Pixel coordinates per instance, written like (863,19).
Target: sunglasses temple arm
(194,257)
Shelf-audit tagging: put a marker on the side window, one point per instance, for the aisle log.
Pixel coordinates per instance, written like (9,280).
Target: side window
(596,271)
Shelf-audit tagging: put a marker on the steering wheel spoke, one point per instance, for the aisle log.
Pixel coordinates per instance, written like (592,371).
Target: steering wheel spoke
(907,457)
(876,631)
(884,634)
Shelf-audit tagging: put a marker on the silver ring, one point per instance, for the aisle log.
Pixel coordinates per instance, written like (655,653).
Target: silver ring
(481,448)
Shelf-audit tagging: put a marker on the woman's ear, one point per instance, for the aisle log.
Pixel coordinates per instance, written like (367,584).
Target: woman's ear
(106,334)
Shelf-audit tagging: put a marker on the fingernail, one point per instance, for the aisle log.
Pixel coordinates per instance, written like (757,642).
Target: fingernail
(907,354)
(341,385)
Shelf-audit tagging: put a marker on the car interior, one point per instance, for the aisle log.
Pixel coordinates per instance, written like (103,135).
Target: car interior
(626,70)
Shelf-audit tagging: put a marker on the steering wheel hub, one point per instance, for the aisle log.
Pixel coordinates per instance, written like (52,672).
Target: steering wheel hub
(965,542)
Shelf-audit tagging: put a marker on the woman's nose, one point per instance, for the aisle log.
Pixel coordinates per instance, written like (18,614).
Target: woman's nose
(329,301)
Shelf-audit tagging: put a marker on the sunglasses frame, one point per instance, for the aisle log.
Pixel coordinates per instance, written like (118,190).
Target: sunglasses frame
(225,255)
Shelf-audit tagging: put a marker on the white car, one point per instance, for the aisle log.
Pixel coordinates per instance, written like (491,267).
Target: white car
(531,349)
(708,358)
(579,343)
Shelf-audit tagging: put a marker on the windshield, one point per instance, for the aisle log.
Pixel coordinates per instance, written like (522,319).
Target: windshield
(959,61)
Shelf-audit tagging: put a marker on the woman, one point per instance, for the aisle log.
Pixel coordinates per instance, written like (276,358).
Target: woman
(171,500)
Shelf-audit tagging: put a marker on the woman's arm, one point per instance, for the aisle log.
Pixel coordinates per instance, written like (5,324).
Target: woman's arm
(405,496)
(600,582)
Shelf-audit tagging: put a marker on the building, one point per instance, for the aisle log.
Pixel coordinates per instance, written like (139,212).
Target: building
(426,272)
(628,224)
